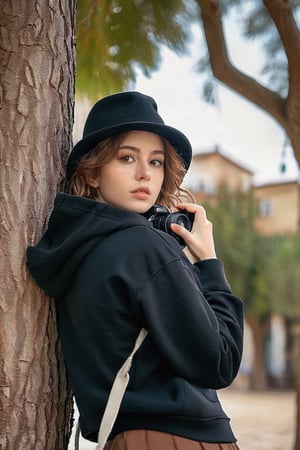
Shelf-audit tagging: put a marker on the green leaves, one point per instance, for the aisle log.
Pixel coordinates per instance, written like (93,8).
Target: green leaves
(264,271)
(284,276)
(234,236)
(115,38)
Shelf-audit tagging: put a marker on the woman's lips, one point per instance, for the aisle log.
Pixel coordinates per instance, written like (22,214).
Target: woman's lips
(141,193)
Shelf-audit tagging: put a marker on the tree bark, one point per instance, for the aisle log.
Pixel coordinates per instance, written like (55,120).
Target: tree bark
(36,115)
(286,111)
(258,379)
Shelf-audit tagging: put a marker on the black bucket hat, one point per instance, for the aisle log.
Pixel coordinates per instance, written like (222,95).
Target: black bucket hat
(126,111)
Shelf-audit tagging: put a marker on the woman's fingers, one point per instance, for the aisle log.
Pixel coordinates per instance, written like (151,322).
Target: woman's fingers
(199,240)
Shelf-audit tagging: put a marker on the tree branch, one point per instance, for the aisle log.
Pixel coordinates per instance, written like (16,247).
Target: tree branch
(224,71)
(281,13)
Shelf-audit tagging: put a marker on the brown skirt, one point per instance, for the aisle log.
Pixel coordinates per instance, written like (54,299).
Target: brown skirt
(155,440)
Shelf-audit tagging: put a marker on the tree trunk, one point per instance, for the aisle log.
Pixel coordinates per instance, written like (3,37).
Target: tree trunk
(258,379)
(36,115)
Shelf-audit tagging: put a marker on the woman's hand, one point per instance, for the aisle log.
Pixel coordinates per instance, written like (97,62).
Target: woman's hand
(200,240)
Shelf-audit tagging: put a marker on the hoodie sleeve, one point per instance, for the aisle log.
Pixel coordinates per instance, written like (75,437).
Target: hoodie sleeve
(195,321)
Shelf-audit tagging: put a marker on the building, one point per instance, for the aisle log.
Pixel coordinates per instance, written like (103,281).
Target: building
(276,203)
(212,168)
(277,208)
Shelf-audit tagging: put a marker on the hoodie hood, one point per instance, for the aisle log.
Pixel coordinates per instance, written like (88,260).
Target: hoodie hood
(74,221)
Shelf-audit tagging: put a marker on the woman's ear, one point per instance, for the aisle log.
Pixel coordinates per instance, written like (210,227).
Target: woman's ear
(92,182)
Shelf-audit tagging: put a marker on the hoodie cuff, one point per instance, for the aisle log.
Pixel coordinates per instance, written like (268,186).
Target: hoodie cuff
(212,275)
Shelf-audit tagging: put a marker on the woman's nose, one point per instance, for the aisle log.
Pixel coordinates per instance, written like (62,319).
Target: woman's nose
(143,172)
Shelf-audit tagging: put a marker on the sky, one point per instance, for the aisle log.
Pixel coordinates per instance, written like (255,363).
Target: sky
(243,131)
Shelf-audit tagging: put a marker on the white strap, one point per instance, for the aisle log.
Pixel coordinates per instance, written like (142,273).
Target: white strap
(77,436)
(115,397)
(116,394)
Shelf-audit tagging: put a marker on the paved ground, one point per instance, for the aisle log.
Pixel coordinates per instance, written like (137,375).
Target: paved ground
(261,421)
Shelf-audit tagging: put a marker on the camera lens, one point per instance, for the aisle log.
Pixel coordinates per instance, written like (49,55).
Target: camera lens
(180,219)
(160,222)
(162,219)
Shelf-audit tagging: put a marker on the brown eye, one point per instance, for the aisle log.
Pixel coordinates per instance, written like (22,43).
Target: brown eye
(126,158)
(157,163)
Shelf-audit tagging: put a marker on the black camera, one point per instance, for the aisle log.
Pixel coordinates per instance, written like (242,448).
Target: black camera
(161,218)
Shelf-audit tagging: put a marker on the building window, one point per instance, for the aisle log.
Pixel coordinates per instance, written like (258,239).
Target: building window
(265,207)
(207,185)
(245,185)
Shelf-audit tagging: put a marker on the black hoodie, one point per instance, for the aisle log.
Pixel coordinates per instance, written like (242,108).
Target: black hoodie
(111,273)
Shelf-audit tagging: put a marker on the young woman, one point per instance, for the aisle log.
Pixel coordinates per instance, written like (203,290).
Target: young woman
(112,273)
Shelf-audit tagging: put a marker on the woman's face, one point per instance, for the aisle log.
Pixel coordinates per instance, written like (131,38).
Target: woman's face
(134,177)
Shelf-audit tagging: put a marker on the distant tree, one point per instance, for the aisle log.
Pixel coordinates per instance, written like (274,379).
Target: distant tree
(116,38)
(284,287)
(258,307)
(283,276)
(245,255)
(275,23)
